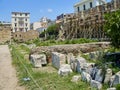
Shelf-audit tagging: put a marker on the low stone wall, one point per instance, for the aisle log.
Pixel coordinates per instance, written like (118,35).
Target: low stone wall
(5,35)
(25,36)
(72,48)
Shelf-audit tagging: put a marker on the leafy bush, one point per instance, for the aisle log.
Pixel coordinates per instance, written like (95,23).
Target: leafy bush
(51,32)
(118,87)
(112,27)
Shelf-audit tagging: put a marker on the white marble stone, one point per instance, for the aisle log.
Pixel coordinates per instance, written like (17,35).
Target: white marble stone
(80,64)
(38,60)
(96,84)
(70,57)
(108,75)
(58,59)
(85,77)
(99,76)
(65,70)
(112,80)
(117,78)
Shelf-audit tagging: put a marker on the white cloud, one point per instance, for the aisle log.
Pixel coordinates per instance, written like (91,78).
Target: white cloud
(50,10)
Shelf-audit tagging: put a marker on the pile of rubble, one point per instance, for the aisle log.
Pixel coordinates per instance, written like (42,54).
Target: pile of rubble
(89,72)
(68,63)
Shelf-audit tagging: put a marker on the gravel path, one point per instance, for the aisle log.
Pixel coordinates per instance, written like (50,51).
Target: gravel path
(8,79)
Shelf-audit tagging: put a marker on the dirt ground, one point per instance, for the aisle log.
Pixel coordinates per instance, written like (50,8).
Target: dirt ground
(8,79)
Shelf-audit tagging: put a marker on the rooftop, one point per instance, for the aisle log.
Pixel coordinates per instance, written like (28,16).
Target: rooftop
(83,1)
(20,13)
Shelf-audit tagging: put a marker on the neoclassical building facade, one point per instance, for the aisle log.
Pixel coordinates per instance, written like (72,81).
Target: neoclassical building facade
(20,21)
(87,4)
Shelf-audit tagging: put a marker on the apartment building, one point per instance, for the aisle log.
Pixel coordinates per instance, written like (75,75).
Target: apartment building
(62,17)
(20,21)
(36,25)
(87,4)
(43,24)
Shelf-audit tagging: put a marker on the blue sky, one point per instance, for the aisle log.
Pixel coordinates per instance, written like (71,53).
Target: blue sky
(37,8)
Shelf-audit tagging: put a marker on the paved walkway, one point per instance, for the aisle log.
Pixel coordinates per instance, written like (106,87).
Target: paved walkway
(8,79)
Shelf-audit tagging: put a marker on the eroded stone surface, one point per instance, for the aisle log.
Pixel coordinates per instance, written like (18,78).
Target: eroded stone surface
(65,70)
(58,59)
(108,75)
(86,77)
(112,80)
(117,78)
(80,64)
(95,84)
(72,48)
(38,60)
(99,76)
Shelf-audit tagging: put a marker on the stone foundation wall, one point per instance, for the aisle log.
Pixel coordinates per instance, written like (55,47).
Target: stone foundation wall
(5,35)
(25,36)
(72,48)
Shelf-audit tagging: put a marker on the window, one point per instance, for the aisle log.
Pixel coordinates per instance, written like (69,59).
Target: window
(26,24)
(91,5)
(78,9)
(20,35)
(20,14)
(15,24)
(15,19)
(15,14)
(26,14)
(26,19)
(84,7)
(15,29)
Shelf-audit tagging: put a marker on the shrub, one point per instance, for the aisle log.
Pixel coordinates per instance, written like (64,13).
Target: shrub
(118,87)
(112,27)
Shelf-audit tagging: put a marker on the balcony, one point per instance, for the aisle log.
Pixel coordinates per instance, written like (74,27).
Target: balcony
(21,26)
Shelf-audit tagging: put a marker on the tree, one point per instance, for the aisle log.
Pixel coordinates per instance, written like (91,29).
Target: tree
(52,30)
(112,27)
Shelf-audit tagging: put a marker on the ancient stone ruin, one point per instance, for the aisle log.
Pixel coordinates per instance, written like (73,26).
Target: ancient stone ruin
(66,63)
(58,59)
(38,60)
